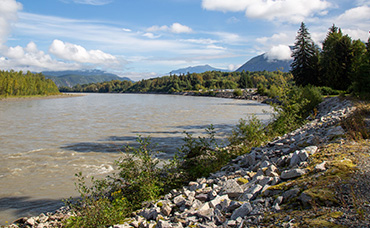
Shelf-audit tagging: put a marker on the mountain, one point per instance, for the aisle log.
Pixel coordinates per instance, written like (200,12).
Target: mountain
(71,78)
(196,69)
(261,63)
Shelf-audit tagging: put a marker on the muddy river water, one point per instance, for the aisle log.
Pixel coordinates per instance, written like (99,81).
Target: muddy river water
(43,143)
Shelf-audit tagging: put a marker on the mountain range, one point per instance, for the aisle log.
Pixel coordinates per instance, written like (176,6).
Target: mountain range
(71,78)
(196,69)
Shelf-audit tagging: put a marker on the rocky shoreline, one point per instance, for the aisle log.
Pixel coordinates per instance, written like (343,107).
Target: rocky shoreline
(253,189)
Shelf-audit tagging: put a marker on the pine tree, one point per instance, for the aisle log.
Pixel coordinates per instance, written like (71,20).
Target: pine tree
(305,58)
(337,59)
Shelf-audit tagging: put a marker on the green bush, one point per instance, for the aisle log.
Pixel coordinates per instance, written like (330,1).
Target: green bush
(249,131)
(109,201)
(238,92)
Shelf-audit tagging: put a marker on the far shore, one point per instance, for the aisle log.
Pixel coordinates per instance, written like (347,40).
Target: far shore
(41,97)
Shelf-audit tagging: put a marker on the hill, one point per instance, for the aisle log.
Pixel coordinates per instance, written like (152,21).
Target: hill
(261,63)
(72,78)
(196,69)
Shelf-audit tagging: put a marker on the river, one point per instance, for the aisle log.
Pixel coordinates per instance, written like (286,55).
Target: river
(43,143)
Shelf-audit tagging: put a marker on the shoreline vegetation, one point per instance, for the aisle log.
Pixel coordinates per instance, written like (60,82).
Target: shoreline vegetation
(39,97)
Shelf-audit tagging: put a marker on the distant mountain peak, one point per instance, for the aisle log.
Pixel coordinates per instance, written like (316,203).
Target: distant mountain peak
(261,63)
(196,69)
(71,78)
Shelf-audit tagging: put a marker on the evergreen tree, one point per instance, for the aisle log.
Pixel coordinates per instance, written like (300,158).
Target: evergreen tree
(337,59)
(305,58)
(361,79)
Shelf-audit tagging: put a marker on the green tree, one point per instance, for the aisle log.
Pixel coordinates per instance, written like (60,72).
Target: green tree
(337,59)
(361,77)
(305,58)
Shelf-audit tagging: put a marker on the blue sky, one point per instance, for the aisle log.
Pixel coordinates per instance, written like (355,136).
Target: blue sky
(149,38)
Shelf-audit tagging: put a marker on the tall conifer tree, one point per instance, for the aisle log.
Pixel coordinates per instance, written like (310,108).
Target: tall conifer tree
(305,58)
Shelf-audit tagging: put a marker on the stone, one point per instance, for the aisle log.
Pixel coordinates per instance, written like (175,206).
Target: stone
(166,210)
(149,214)
(202,197)
(179,200)
(278,200)
(31,221)
(290,193)
(163,224)
(292,173)
(320,167)
(232,189)
(233,205)
(207,214)
(218,200)
(242,211)
(305,198)
(311,149)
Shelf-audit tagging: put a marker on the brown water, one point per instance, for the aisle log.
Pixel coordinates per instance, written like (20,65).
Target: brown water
(43,143)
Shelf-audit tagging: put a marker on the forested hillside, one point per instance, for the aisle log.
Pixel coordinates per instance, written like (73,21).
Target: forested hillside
(178,83)
(18,84)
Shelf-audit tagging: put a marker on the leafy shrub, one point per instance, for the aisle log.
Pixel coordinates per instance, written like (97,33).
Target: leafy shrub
(238,92)
(249,131)
(202,156)
(329,91)
(109,201)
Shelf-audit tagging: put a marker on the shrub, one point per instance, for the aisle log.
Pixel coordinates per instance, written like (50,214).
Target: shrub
(202,156)
(238,92)
(249,131)
(109,201)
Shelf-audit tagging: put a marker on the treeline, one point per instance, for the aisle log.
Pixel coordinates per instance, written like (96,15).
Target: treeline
(341,63)
(18,84)
(190,82)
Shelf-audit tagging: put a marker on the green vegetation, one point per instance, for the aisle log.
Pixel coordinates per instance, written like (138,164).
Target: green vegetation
(18,84)
(210,80)
(342,64)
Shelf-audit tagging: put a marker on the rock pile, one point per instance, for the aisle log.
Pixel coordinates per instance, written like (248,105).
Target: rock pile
(240,193)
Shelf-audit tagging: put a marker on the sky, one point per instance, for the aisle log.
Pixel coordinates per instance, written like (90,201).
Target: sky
(149,38)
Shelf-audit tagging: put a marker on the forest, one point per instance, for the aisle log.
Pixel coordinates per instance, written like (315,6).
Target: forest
(18,84)
(209,80)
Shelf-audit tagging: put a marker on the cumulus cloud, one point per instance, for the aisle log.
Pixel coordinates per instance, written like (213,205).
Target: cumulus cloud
(30,58)
(293,11)
(8,15)
(360,13)
(174,28)
(73,52)
(279,52)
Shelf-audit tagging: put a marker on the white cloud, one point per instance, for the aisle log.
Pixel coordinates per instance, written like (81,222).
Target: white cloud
(279,37)
(73,52)
(126,30)
(357,14)
(151,35)
(8,15)
(174,28)
(279,52)
(89,2)
(179,28)
(30,58)
(293,11)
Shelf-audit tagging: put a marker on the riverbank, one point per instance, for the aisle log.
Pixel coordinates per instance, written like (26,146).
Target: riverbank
(314,176)
(39,97)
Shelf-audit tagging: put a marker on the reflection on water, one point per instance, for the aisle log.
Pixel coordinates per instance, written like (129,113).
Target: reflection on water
(45,142)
